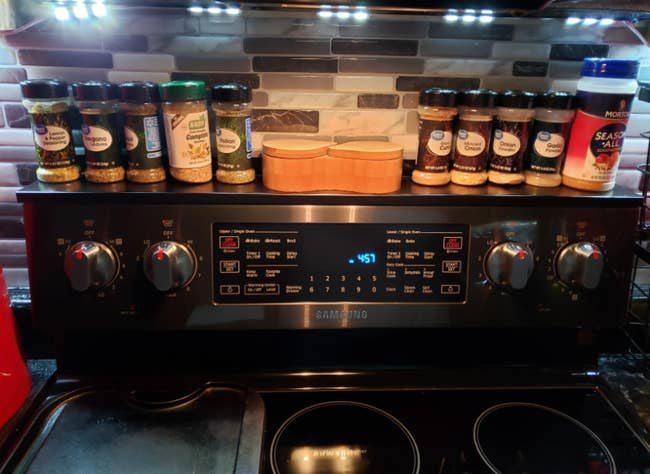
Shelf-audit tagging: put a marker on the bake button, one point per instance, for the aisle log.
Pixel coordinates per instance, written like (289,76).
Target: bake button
(449,289)
(229,289)
(228,241)
(228,266)
(451,266)
(452,243)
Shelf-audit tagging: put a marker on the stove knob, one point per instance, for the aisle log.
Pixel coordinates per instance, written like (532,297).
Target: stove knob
(580,265)
(510,264)
(169,265)
(90,265)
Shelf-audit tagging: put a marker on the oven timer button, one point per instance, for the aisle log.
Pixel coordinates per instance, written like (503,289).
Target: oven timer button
(169,265)
(90,265)
(510,265)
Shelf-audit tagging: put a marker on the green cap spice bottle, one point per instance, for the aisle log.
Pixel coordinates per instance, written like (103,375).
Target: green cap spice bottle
(185,114)
(230,103)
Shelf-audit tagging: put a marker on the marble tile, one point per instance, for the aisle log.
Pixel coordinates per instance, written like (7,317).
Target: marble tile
(638,123)
(467,67)
(375,47)
(378,101)
(24,153)
(530,68)
(123,76)
(16,116)
(195,45)
(641,107)
(622,35)
(213,63)
(534,84)
(11,227)
(492,31)
(260,99)
(78,39)
(362,122)
(265,45)
(298,81)
(60,58)
(364,83)
(513,50)
(550,30)
(10,92)
(624,51)
(628,179)
(8,175)
(310,27)
(69,74)
(410,101)
(12,75)
(385,29)
(168,20)
(16,137)
(143,62)
(12,246)
(133,43)
(409,142)
(210,79)
(292,100)
(16,277)
(222,25)
(417,83)
(630,161)
(2,120)
(412,122)
(7,55)
(565,69)
(382,65)
(257,138)
(8,194)
(577,52)
(294,64)
(566,85)
(279,120)
(456,48)
(13,261)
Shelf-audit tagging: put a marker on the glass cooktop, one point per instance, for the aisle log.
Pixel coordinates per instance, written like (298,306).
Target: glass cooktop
(532,431)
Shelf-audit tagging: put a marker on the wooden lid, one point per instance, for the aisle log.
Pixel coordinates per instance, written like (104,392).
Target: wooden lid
(367,150)
(295,148)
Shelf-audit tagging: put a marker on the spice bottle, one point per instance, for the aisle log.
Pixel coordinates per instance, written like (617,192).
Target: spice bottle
(139,101)
(230,103)
(512,126)
(185,114)
(553,116)
(604,99)
(98,105)
(48,103)
(437,112)
(474,130)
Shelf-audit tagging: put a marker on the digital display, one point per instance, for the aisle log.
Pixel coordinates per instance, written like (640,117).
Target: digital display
(260,263)
(364,258)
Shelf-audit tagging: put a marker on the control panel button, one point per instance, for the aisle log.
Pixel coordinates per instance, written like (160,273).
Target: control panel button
(510,265)
(169,265)
(580,265)
(90,265)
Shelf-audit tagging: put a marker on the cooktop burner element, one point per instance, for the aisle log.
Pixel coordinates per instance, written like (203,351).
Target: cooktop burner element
(343,437)
(532,438)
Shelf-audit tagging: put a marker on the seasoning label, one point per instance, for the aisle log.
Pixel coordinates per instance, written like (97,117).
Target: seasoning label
(597,136)
(548,145)
(472,141)
(234,143)
(143,141)
(52,139)
(434,150)
(188,139)
(509,146)
(99,132)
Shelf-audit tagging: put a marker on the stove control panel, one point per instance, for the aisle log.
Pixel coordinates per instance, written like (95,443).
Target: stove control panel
(274,263)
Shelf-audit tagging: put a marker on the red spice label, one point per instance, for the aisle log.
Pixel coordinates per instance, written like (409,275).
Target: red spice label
(597,136)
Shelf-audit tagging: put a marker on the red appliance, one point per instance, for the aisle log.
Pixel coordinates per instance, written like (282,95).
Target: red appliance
(14,378)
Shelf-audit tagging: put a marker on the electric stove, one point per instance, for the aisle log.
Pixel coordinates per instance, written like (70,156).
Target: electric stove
(228,329)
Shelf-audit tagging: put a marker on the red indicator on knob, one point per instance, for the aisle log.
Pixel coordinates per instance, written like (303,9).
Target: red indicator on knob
(79,255)
(595,255)
(521,254)
(160,254)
